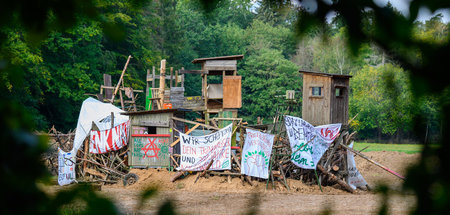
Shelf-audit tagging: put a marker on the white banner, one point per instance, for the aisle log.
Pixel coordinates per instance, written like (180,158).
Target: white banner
(66,167)
(354,179)
(256,154)
(110,139)
(197,152)
(309,143)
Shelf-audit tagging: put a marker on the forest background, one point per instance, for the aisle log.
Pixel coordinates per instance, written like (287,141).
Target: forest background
(61,70)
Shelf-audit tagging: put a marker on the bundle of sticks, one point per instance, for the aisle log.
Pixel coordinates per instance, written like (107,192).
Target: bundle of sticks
(105,168)
(331,169)
(56,139)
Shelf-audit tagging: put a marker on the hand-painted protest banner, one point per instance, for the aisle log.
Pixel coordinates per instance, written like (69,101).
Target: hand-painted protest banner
(256,154)
(309,143)
(110,139)
(354,179)
(66,167)
(197,152)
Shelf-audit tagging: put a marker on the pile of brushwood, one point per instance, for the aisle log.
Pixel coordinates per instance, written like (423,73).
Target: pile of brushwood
(105,168)
(331,169)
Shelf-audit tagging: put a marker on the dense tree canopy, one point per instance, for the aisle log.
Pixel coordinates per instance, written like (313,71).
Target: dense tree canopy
(62,70)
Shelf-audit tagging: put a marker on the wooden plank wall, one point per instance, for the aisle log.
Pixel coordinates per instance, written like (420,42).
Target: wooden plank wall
(220,65)
(339,109)
(316,110)
(163,124)
(107,82)
(177,97)
(232,92)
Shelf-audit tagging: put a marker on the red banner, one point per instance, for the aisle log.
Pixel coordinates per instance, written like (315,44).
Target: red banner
(109,140)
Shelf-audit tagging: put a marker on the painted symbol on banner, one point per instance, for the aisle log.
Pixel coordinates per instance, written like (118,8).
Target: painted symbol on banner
(225,164)
(68,162)
(256,158)
(151,146)
(328,133)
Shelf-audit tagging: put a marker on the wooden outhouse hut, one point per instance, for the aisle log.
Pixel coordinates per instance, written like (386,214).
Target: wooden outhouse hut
(325,98)
(152,132)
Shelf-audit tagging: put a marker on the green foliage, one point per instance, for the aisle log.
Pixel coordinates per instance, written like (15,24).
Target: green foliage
(279,75)
(376,105)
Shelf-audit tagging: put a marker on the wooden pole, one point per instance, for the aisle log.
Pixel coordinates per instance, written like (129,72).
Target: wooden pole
(334,178)
(153,77)
(112,120)
(177,175)
(204,171)
(86,150)
(190,130)
(162,81)
(176,78)
(374,162)
(147,85)
(171,76)
(182,78)
(195,123)
(120,79)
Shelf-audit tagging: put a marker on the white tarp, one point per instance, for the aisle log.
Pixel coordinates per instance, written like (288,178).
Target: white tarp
(354,179)
(317,140)
(98,112)
(95,111)
(66,167)
(256,154)
(197,152)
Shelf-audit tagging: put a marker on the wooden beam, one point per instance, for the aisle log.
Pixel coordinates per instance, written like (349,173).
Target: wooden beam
(374,162)
(182,71)
(188,132)
(171,77)
(153,76)
(176,78)
(182,78)
(195,123)
(107,82)
(162,81)
(108,87)
(147,85)
(224,173)
(167,77)
(332,177)
(227,119)
(121,78)
(204,171)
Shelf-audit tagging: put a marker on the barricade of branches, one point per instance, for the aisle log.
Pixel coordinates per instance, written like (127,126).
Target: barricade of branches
(56,139)
(110,167)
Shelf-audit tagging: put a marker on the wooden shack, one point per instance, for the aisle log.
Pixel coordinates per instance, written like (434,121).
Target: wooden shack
(152,132)
(325,98)
(218,98)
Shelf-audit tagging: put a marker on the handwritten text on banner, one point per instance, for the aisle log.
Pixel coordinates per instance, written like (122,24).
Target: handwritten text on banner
(309,143)
(197,152)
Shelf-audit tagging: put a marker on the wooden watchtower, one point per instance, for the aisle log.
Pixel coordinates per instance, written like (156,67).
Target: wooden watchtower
(325,98)
(219,98)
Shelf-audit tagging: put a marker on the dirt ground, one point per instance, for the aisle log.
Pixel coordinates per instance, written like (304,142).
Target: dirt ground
(218,195)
